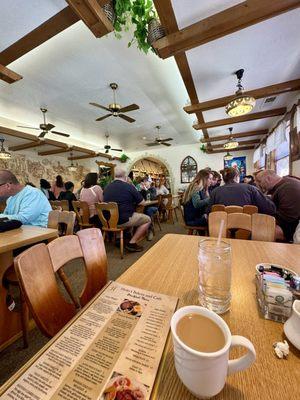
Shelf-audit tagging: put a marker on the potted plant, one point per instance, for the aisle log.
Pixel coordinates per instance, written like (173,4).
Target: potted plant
(203,148)
(124,158)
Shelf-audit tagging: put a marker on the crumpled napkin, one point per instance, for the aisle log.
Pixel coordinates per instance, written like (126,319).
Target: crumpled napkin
(281,349)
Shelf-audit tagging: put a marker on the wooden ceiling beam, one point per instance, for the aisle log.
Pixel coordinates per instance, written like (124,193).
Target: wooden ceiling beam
(243,118)
(237,149)
(91,156)
(266,91)
(18,134)
(83,150)
(27,145)
(245,142)
(92,14)
(235,136)
(55,151)
(56,143)
(8,75)
(221,24)
(56,24)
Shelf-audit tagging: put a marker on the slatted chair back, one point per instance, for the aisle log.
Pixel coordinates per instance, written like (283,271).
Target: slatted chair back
(233,209)
(249,209)
(169,202)
(37,280)
(59,205)
(82,211)
(67,218)
(239,221)
(218,207)
(108,214)
(263,227)
(94,254)
(64,249)
(214,223)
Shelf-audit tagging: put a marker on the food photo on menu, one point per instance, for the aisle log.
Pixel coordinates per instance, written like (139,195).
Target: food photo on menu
(130,307)
(121,387)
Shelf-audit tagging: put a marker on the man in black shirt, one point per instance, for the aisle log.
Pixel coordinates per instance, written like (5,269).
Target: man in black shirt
(68,194)
(127,198)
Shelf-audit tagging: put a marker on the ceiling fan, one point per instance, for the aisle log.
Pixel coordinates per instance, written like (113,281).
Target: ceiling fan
(158,140)
(116,109)
(107,147)
(44,127)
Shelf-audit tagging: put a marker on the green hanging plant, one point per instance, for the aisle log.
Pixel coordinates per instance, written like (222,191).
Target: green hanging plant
(124,158)
(203,148)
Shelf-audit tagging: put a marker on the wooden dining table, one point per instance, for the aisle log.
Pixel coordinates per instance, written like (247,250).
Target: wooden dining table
(171,267)
(10,322)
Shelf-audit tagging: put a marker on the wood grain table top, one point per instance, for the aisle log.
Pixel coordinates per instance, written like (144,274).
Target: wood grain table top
(171,266)
(23,236)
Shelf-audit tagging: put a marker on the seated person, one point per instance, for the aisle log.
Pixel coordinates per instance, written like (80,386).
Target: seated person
(196,199)
(127,198)
(249,179)
(216,181)
(152,191)
(92,193)
(68,194)
(285,193)
(149,210)
(46,189)
(25,203)
(233,193)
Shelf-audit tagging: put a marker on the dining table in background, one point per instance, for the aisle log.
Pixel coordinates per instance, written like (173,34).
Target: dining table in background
(171,267)
(10,321)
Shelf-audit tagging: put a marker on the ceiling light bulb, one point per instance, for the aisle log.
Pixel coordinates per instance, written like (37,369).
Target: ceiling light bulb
(242,103)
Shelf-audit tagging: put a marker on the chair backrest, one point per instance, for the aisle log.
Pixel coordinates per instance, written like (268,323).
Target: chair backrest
(169,198)
(233,209)
(82,211)
(95,260)
(64,249)
(67,218)
(214,223)
(239,221)
(249,209)
(37,280)
(263,227)
(108,214)
(218,207)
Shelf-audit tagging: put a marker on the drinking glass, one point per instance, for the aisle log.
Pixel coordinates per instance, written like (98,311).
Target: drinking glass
(214,275)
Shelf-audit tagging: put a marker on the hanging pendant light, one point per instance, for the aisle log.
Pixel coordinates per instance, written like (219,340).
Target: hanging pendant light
(4,155)
(228,156)
(241,104)
(72,167)
(232,143)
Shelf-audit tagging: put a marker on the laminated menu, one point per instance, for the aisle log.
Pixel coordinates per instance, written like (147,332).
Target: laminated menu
(111,351)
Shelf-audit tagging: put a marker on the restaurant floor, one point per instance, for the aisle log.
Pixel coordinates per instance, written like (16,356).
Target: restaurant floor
(13,357)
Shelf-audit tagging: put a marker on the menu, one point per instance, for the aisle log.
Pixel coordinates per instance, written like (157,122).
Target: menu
(111,351)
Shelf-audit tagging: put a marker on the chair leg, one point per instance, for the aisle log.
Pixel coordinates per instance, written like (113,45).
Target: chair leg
(24,319)
(67,286)
(121,244)
(158,221)
(152,220)
(171,216)
(175,214)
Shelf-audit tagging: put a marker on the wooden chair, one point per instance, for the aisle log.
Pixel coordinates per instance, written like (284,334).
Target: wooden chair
(109,220)
(37,280)
(82,211)
(214,223)
(169,207)
(59,205)
(192,229)
(233,209)
(263,227)
(95,260)
(239,221)
(249,209)
(67,218)
(218,207)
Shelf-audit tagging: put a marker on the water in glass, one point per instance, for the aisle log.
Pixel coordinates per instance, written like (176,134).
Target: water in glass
(214,275)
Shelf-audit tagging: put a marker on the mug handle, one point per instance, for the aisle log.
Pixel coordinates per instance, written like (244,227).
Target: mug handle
(245,361)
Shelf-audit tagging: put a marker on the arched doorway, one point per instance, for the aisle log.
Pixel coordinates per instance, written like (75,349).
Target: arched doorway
(152,166)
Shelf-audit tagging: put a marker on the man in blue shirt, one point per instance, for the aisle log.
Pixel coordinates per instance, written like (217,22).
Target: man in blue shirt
(25,203)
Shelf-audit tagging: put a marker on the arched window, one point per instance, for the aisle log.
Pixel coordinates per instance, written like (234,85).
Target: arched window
(188,169)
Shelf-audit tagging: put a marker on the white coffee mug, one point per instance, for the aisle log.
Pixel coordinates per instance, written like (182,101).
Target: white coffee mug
(204,374)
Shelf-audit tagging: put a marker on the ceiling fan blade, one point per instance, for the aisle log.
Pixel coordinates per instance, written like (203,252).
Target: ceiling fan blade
(117,149)
(60,133)
(165,144)
(166,140)
(28,127)
(128,119)
(98,105)
(49,127)
(101,118)
(131,107)
(152,144)
(42,134)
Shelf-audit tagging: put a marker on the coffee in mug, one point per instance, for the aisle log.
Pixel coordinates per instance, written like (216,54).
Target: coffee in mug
(200,333)
(204,371)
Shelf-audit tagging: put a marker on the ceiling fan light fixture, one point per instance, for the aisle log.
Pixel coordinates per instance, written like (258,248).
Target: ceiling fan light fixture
(232,143)
(4,155)
(72,167)
(241,104)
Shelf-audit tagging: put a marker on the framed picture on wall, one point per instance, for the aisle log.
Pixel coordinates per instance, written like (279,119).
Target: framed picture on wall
(238,163)
(188,169)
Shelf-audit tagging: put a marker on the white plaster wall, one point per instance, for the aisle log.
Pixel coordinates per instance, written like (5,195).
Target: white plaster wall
(296,168)
(173,156)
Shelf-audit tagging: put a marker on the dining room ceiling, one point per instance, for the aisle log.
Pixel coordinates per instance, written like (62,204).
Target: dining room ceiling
(73,68)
